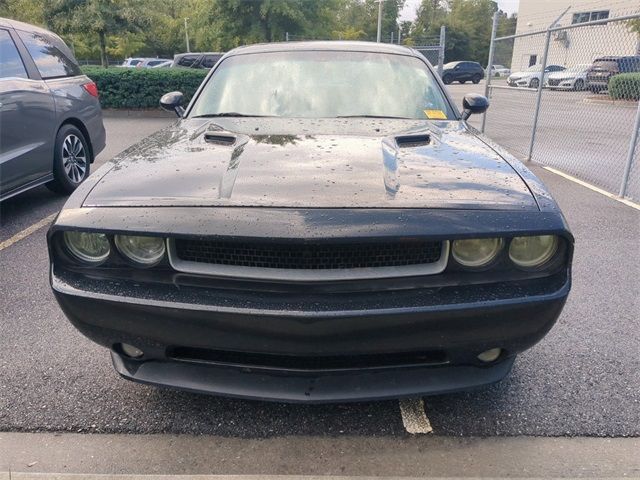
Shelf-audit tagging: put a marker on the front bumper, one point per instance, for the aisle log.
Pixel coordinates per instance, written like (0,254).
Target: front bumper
(316,354)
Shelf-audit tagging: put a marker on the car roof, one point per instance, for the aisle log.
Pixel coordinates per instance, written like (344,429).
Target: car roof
(7,22)
(178,55)
(336,45)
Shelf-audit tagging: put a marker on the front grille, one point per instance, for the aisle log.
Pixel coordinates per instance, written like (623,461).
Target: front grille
(307,363)
(554,82)
(309,256)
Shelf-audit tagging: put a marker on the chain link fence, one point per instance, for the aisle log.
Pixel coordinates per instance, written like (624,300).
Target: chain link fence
(572,100)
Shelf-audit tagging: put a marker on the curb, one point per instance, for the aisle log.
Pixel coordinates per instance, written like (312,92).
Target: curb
(609,101)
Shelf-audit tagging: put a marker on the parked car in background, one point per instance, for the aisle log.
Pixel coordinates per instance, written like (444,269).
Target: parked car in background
(573,78)
(371,246)
(196,60)
(532,76)
(50,120)
(499,71)
(142,62)
(131,62)
(462,72)
(604,68)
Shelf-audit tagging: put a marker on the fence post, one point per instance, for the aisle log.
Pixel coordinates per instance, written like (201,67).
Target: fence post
(547,40)
(545,54)
(487,82)
(286,36)
(632,148)
(441,49)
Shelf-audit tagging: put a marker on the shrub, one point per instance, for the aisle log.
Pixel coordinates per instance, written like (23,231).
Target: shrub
(142,87)
(625,86)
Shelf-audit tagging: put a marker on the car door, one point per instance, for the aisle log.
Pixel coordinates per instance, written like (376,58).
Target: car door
(458,72)
(27,117)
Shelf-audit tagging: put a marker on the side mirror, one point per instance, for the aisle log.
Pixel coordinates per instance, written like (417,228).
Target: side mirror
(473,103)
(172,102)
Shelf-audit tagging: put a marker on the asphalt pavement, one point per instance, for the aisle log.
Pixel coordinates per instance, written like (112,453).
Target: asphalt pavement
(583,379)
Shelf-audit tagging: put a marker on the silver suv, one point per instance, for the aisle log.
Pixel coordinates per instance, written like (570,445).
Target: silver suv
(50,120)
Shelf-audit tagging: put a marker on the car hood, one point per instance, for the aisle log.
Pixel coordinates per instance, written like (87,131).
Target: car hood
(320,163)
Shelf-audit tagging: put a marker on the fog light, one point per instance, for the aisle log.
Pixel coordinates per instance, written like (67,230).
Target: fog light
(490,355)
(131,351)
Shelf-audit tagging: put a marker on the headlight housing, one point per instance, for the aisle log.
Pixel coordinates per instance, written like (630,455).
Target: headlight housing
(534,251)
(88,247)
(476,252)
(141,250)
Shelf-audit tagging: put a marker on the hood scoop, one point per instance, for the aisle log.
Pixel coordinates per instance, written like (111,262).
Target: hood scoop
(218,138)
(412,141)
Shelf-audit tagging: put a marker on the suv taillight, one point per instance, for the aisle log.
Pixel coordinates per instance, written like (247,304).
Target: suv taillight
(91,88)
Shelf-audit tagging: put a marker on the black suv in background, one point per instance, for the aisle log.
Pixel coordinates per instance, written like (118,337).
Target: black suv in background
(196,60)
(50,120)
(604,68)
(462,72)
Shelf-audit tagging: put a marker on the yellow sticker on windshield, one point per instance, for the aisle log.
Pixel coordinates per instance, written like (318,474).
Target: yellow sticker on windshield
(435,114)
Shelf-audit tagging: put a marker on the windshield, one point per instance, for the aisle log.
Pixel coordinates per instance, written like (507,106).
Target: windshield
(606,64)
(318,84)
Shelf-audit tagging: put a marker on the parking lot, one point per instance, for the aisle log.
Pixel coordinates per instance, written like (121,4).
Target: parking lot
(579,133)
(583,379)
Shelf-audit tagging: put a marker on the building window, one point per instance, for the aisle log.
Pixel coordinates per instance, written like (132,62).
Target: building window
(583,17)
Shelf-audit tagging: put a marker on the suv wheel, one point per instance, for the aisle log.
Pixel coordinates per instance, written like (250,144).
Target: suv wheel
(476,78)
(71,160)
(447,79)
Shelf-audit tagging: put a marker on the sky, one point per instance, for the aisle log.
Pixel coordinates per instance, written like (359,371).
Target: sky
(410,7)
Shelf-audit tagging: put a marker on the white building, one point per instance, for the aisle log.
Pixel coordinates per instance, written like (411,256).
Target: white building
(578,45)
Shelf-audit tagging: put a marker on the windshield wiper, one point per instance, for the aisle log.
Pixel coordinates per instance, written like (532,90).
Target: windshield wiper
(228,114)
(373,116)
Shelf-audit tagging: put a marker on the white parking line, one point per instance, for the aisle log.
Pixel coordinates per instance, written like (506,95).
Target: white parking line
(27,231)
(414,417)
(612,196)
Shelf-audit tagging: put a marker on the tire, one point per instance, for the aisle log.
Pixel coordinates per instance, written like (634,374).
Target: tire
(534,83)
(462,82)
(476,78)
(71,160)
(578,85)
(447,79)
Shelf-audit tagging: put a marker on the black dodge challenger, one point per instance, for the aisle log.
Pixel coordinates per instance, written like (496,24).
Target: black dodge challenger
(321,224)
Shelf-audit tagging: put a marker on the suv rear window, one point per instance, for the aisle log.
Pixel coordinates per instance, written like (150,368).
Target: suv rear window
(50,54)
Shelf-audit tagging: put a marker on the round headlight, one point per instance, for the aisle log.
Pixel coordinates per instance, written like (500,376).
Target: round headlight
(476,252)
(87,247)
(530,252)
(146,251)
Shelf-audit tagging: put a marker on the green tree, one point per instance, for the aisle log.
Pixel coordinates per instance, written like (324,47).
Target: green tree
(504,48)
(468,24)
(100,17)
